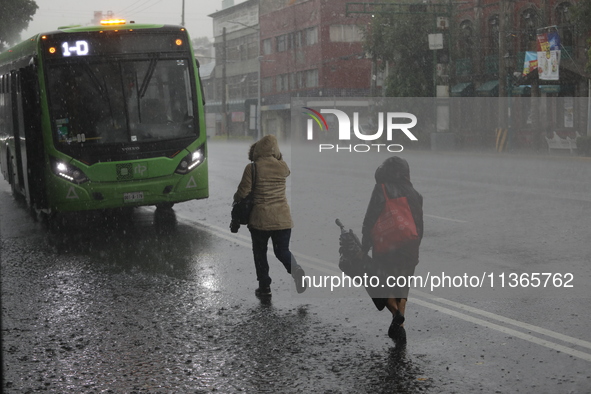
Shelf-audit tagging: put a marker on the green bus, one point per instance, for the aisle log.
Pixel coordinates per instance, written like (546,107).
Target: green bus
(103,117)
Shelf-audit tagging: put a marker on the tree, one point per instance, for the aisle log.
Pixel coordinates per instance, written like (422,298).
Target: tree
(582,19)
(201,42)
(16,15)
(400,41)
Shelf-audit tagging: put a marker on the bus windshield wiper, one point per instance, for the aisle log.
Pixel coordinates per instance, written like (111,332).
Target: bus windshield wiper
(96,82)
(148,77)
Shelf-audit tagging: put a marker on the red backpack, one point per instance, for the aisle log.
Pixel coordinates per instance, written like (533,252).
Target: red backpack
(395,225)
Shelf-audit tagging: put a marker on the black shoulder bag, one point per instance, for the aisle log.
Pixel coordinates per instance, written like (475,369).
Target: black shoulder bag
(241,209)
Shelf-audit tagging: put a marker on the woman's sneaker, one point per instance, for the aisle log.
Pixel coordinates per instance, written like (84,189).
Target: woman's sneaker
(263,292)
(297,275)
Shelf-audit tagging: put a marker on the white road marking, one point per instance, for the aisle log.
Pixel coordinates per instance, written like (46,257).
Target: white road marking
(506,330)
(329,268)
(506,320)
(442,218)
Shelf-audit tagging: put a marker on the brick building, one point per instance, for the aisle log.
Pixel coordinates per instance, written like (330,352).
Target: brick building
(302,48)
(490,39)
(310,48)
(313,48)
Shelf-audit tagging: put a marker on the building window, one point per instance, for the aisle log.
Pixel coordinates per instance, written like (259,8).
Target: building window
(466,42)
(291,40)
(267,85)
(529,22)
(219,53)
(304,79)
(267,46)
(252,85)
(281,42)
(252,47)
(311,35)
(233,50)
(563,14)
(345,33)
(241,86)
(282,83)
(311,78)
(241,48)
(565,26)
(298,39)
(493,34)
(299,80)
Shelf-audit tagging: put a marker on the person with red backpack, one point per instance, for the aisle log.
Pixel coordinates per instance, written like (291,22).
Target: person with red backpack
(395,251)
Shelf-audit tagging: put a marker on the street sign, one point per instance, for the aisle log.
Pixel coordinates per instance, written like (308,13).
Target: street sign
(436,41)
(442,22)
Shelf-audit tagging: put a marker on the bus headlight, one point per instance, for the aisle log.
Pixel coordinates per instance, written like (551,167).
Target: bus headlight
(191,161)
(68,171)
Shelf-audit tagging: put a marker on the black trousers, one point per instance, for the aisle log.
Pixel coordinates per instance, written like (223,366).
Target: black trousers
(260,240)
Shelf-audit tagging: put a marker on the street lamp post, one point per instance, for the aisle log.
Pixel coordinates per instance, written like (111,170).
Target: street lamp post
(225,128)
(258,123)
(509,60)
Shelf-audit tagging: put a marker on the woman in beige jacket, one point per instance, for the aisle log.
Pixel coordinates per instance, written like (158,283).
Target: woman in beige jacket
(270,216)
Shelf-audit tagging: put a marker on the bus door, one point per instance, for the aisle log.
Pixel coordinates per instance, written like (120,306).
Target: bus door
(34,158)
(17,134)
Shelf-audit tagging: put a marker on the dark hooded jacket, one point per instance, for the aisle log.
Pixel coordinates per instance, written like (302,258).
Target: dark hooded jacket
(271,209)
(394,173)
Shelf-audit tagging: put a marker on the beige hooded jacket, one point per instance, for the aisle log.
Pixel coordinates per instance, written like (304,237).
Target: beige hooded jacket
(271,210)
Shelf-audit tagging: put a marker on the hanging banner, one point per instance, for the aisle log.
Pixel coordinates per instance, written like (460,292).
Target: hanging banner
(548,56)
(531,62)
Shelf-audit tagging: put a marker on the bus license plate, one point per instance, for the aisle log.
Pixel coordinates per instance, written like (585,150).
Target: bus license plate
(133,196)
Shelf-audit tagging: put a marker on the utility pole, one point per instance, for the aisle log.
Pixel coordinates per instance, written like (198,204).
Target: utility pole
(259,87)
(503,105)
(478,22)
(224,90)
(502,48)
(183,15)
(374,77)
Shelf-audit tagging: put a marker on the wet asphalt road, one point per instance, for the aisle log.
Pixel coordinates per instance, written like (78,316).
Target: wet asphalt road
(164,303)
(139,305)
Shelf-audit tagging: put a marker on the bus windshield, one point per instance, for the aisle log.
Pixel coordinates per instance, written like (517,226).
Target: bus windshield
(115,101)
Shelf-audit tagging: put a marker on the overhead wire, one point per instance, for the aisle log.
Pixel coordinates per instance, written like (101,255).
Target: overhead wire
(138,8)
(129,6)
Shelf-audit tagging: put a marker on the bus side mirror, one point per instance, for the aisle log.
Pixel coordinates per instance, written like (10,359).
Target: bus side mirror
(33,62)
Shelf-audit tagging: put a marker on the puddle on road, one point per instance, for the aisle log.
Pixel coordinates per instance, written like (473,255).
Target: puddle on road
(125,306)
(130,240)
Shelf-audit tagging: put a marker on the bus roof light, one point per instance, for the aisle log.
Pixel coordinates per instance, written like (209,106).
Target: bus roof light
(108,22)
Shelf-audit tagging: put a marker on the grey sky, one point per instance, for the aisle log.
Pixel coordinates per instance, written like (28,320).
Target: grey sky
(54,13)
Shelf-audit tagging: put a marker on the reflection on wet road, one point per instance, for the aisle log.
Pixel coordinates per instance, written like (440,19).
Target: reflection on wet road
(140,302)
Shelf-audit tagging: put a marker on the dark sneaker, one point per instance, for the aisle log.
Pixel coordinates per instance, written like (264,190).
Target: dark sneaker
(297,275)
(401,337)
(263,292)
(395,330)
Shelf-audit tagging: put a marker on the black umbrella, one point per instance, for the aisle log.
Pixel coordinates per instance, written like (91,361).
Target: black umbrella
(352,261)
